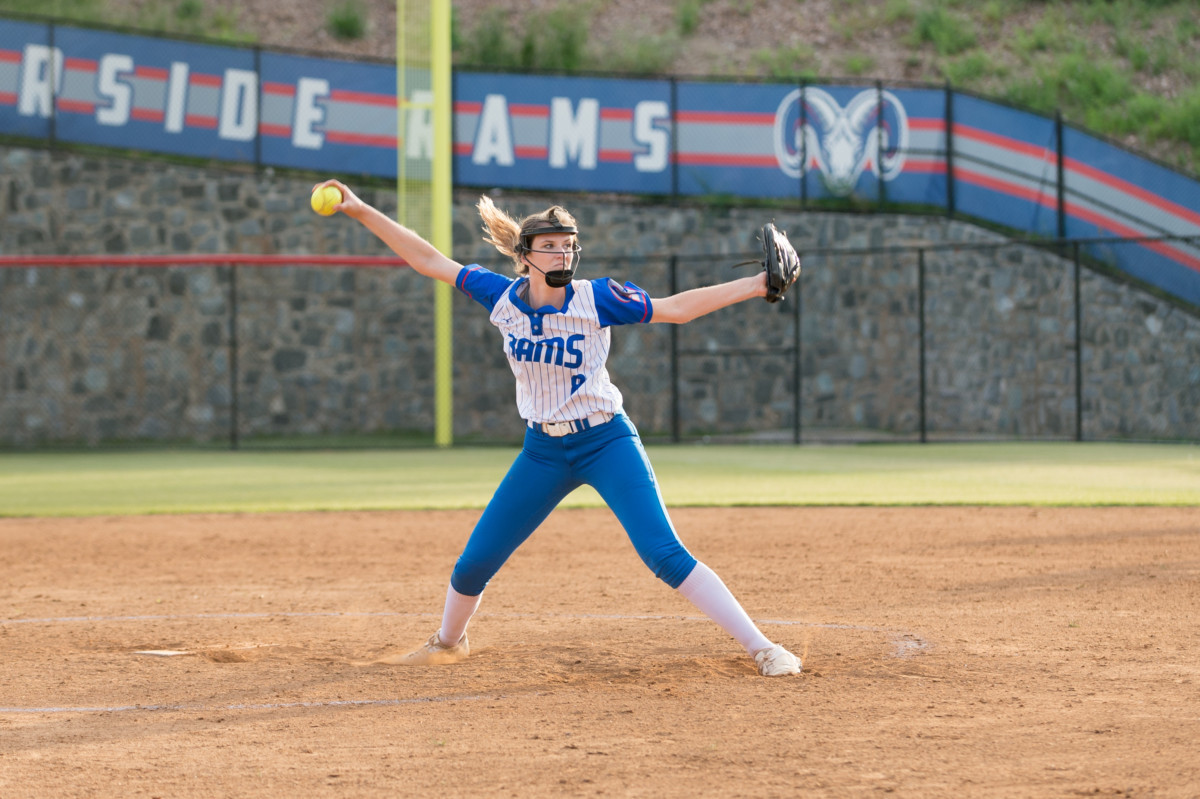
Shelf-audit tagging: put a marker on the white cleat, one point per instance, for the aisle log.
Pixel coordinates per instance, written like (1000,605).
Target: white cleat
(775,661)
(434,653)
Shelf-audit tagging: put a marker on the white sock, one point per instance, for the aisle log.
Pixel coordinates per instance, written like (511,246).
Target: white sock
(458,612)
(704,589)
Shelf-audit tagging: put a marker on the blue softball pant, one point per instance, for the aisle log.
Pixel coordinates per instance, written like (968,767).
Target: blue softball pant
(610,458)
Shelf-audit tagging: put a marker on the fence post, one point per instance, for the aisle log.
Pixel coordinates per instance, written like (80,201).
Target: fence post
(54,79)
(1078,348)
(674,140)
(803,145)
(949,151)
(258,111)
(921,335)
(675,428)
(234,410)
(1061,188)
(797,377)
(880,190)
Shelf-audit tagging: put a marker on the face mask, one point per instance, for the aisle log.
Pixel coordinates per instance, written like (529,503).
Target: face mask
(558,278)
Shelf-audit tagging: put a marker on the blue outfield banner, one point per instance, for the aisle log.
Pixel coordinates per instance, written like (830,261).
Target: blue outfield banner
(24,109)
(869,145)
(1005,166)
(338,116)
(811,142)
(921,179)
(1108,194)
(150,94)
(572,134)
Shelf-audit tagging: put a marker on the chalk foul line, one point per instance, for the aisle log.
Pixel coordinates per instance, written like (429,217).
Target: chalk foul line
(252,706)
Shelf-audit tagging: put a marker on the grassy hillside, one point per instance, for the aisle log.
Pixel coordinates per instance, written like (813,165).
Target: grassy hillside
(1128,69)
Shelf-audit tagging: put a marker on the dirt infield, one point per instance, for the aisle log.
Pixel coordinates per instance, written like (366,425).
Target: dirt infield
(948,652)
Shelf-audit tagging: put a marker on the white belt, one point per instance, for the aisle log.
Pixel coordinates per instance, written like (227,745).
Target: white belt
(558,429)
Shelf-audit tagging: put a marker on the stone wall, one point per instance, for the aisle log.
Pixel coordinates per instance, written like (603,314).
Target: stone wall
(185,353)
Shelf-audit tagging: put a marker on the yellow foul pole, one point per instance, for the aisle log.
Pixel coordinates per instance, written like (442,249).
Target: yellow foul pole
(424,201)
(442,201)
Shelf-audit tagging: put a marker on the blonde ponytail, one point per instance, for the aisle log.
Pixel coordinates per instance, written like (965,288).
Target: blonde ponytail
(500,230)
(504,233)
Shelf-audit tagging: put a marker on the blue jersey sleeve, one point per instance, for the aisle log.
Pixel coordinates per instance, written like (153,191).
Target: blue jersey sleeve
(482,285)
(620,305)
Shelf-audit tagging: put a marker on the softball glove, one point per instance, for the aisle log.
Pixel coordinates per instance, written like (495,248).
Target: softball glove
(781,262)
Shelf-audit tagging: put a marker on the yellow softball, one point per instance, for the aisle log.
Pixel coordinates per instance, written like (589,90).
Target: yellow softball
(325,198)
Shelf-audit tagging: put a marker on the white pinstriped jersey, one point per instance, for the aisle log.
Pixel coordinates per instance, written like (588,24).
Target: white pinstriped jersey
(558,355)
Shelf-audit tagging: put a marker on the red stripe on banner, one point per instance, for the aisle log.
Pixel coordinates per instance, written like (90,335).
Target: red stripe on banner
(463,148)
(725,118)
(283,131)
(10,56)
(151,73)
(75,106)
(527,110)
(345,137)
(147,114)
(539,153)
(722,159)
(1004,142)
(616,156)
(282,89)
(363,98)
(1102,221)
(1007,187)
(931,166)
(199,260)
(468,108)
(79,64)
(927,123)
(617,114)
(198,121)
(8,98)
(1113,182)
(200,79)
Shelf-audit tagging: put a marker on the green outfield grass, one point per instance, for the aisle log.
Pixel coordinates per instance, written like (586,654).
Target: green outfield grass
(83,484)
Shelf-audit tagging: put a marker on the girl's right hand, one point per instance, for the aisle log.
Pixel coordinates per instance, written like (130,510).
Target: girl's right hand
(350,205)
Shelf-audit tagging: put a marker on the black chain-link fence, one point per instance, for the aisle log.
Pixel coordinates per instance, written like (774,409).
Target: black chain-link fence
(953,342)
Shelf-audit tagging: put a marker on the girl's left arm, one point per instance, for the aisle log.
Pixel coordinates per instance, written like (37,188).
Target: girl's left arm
(694,303)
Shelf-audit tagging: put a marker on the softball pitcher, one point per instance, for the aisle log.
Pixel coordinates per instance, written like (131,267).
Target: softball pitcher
(555,332)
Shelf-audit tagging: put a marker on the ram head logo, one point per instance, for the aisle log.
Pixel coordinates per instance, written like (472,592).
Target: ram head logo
(871,132)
